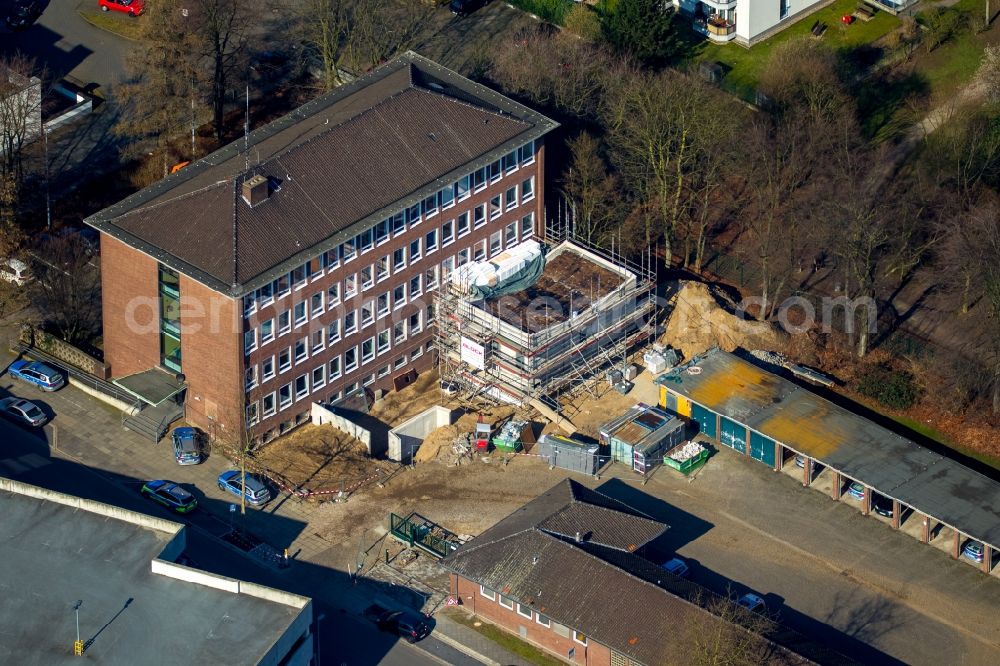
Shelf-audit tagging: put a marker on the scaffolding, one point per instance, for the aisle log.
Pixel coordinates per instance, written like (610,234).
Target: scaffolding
(496,355)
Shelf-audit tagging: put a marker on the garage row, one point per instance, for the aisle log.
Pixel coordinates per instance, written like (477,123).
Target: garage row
(853,460)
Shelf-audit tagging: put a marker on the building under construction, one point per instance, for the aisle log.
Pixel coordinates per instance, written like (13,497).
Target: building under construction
(536,320)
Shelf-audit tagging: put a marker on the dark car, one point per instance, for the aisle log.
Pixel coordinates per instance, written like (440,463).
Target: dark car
(752,603)
(24,15)
(882,505)
(407,624)
(254,489)
(23,411)
(170,495)
(38,374)
(465,7)
(188,446)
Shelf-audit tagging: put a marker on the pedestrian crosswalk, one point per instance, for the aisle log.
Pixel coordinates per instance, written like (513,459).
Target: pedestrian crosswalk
(12,467)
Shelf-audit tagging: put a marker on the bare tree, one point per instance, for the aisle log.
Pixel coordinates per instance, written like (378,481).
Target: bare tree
(324,26)
(380,30)
(189,57)
(20,112)
(970,256)
(728,635)
(67,288)
(11,240)
(591,193)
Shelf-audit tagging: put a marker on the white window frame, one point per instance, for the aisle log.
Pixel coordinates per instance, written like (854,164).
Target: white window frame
(348,366)
(305,350)
(430,241)
(329,368)
(285,368)
(369,357)
(548,621)
(520,612)
(494,212)
(322,379)
(397,304)
(265,338)
(249,340)
(401,264)
(498,237)
(501,602)
(446,241)
(299,395)
(415,256)
(315,312)
(350,330)
(295,315)
(384,334)
(579,637)
(333,294)
(333,332)
(274,404)
(416,285)
(488,593)
(263,372)
(530,182)
(283,404)
(507,205)
(317,347)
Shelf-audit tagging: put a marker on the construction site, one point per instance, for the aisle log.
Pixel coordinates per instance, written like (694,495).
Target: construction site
(539,320)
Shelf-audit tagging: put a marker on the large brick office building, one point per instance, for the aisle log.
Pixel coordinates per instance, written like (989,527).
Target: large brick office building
(304,267)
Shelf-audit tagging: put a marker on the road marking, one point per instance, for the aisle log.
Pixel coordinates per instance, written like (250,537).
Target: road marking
(861,581)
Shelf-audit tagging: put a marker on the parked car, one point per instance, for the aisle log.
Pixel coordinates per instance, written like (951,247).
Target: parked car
(856,490)
(677,567)
(130,7)
(255,490)
(23,411)
(189,446)
(170,495)
(407,624)
(465,7)
(752,603)
(16,271)
(882,505)
(39,374)
(23,15)
(973,550)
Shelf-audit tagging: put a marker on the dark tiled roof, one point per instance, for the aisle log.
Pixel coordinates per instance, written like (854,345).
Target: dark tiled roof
(595,585)
(344,160)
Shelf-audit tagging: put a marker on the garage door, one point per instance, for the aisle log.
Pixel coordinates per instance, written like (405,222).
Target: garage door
(733,435)
(762,448)
(683,406)
(704,418)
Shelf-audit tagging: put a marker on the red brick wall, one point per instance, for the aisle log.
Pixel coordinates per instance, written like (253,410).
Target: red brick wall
(355,266)
(211,358)
(130,308)
(592,654)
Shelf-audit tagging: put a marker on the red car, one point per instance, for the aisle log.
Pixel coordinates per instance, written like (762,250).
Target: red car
(130,7)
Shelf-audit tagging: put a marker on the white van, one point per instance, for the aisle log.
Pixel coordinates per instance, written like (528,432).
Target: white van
(16,271)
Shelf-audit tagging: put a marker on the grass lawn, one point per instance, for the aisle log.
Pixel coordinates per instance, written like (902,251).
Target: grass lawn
(747,64)
(506,640)
(941,438)
(116,22)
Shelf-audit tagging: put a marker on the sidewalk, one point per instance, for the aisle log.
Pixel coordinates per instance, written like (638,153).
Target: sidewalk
(474,644)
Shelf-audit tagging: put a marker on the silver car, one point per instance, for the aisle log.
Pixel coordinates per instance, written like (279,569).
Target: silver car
(188,446)
(23,411)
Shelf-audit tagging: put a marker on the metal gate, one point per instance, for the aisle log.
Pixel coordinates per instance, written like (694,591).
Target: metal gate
(762,448)
(705,419)
(733,435)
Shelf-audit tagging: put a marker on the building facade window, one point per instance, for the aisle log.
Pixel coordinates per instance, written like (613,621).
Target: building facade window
(506,602)
(488,593)
(169,289)
(301,387)
(524,611)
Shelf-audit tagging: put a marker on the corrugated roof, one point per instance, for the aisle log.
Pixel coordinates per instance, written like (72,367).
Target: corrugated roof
(341,162)
(842,440)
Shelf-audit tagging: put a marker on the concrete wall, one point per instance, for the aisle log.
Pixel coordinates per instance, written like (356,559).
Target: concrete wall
(406,438)
(323,416)
(130,308)
(99,508)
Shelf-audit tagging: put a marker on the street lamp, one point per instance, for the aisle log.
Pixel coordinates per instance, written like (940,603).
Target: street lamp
(78,645)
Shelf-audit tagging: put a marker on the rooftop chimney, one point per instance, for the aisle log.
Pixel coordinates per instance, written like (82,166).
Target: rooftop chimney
(255,190)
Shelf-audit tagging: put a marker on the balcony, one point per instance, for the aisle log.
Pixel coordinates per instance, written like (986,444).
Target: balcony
(716,28)
(725,4)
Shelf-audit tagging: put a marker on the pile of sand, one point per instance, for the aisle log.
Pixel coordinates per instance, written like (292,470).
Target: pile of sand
(438,442)
(703,318)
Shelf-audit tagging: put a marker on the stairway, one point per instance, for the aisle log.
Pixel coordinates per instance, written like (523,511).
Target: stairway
(154,422)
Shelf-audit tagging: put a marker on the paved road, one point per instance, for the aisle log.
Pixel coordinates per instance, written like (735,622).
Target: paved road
(67,45)
(344,637)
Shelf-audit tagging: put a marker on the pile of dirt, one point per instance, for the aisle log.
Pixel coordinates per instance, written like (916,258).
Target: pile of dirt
(397,406)
(437,445)
(317,458)
(703,318)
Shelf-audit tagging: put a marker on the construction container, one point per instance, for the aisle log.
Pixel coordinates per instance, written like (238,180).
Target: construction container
(651,450)
(571,454)
(686,457)
(511,437)
(654,362)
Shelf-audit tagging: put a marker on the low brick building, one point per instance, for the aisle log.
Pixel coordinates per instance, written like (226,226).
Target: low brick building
(303,267)
(566,572)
